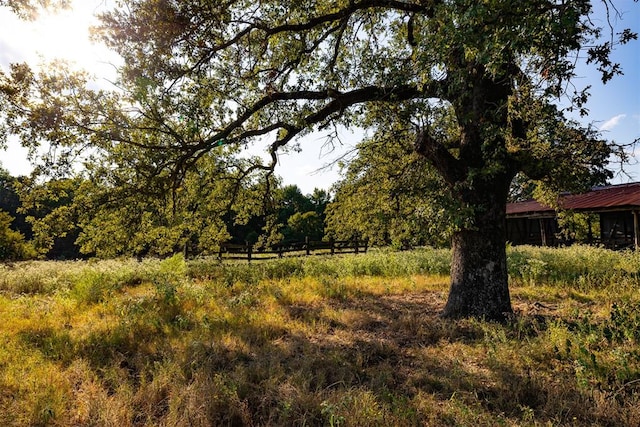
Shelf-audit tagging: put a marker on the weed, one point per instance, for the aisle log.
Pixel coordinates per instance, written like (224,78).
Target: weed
(333,288)
(91,287)
(624,322)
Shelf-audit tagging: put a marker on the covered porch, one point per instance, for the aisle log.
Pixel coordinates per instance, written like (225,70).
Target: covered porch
(612,216)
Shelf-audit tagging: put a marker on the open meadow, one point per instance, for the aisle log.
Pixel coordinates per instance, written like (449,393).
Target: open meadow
(336,341)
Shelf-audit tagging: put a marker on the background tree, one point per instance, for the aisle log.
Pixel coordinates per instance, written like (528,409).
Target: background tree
(13,246)
(120,213)
(320,199)
(10,202)
(198,75)
(388,196)
(392,195)
(307,225)
(299,216)
(50,211)
(14,230)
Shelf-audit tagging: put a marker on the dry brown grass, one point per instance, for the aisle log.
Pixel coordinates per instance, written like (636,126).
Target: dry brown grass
(333,349)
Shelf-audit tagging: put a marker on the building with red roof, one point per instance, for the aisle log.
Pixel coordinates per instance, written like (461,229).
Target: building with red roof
(611,213)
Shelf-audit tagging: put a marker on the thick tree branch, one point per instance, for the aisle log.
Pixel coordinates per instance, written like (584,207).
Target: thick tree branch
(451,169)
(421,7)
(339,102)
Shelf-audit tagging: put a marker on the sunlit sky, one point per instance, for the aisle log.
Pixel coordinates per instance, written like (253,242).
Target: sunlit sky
(614,108)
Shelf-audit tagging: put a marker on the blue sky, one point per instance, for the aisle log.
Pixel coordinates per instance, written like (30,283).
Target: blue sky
(614,108)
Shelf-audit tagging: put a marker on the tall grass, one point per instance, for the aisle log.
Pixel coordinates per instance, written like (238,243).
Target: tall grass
(578,267)
(344,341)
(581,267)
(381,263)
(49,277)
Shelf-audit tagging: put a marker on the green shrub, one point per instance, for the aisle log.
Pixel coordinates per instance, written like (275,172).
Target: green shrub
(624,322)
(13,247)
(92,287)
(173,269)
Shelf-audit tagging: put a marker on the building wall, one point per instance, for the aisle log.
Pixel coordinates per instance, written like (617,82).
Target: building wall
(527,231)
(616,229)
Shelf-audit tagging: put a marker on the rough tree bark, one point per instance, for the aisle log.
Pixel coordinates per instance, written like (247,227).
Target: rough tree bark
(478,174)
(479,279)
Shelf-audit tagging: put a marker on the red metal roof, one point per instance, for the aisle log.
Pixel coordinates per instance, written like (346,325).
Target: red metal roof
(527,207)
(600,198)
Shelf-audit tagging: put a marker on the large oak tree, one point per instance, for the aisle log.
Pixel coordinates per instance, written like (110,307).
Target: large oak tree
(201,74)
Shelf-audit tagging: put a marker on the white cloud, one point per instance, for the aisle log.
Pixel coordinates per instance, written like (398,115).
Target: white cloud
(612,122)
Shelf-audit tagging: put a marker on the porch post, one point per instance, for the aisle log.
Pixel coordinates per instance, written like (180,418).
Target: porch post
(636,230)
(543,233)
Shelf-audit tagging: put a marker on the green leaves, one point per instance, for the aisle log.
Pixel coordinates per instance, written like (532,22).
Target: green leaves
(477,79)
(30,9)
(391,196)
(136,218)
(13,246)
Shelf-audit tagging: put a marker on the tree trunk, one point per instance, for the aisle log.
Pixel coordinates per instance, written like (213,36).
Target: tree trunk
(478,173)
(479,279)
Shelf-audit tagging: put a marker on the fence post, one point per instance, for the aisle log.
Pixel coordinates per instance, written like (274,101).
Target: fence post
(306,244)
(333,247)
(356,248)
(220,251)
(249,249)
(366,245)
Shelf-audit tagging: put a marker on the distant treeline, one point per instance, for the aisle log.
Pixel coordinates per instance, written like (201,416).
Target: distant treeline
(140,213)
(44,221)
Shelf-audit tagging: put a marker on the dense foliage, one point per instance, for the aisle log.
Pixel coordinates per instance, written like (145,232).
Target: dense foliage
(10,202)
(14,230)
(30,9)
(73,218)
(389,195)
(13,246)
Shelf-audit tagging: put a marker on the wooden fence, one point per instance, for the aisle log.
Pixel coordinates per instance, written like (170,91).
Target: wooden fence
(306,248)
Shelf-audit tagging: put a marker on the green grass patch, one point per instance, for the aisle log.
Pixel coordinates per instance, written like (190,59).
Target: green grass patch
(335,341)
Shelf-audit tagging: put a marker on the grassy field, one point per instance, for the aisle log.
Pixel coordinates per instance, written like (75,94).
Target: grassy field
(343,341)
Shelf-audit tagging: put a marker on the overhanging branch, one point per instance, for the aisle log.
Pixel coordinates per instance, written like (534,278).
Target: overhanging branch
(446,164)
(339,102)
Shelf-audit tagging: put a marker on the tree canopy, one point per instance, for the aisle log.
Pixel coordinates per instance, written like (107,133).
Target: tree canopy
(391,195)
(474,85)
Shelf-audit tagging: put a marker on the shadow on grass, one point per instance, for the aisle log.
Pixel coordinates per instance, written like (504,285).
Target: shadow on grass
(370,360)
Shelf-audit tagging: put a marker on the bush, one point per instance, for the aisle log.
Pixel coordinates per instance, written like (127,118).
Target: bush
(12,244)
(92,287)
